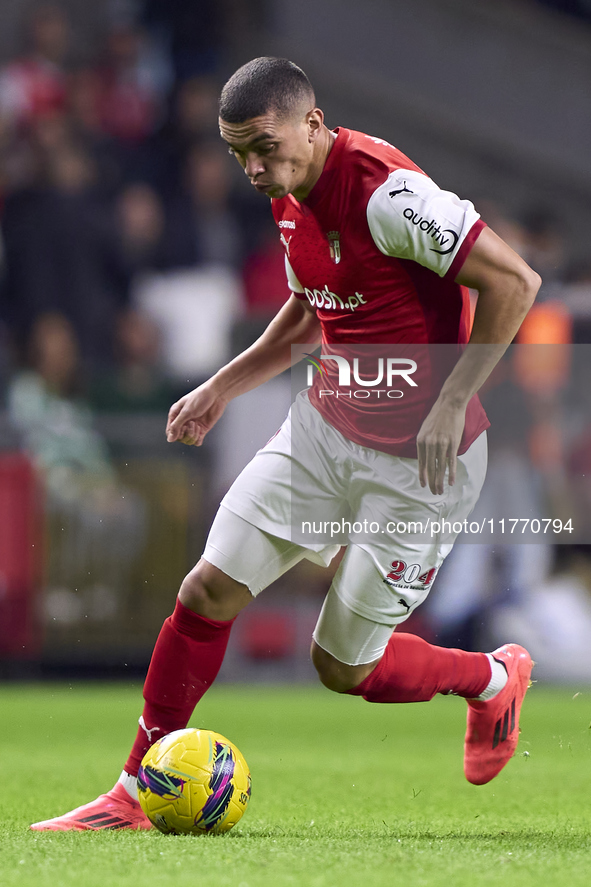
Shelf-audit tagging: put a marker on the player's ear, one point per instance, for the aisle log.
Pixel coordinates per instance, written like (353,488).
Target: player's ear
(314,121)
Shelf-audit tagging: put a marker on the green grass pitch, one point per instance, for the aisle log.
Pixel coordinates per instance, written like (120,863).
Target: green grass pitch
(344,793)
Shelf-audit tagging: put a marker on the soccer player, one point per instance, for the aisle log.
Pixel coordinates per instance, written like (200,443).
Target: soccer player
(376,254)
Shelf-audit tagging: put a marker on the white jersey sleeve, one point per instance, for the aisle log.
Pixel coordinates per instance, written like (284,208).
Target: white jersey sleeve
(410,217)
(292,281)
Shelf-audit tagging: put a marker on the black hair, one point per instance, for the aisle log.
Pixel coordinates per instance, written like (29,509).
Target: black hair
(262,85)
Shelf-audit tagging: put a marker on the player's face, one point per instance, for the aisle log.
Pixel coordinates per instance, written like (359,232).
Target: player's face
(276,154)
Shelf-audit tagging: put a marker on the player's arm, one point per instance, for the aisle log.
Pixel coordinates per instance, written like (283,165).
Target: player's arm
(191,417)
(411,218)
(507,287)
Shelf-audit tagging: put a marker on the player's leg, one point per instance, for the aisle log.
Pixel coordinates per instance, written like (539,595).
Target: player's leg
(242,556)
(239,561)
(188,654)
(403,573)
(186,659)
(355,654)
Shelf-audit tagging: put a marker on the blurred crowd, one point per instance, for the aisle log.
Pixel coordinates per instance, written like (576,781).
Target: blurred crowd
(134,260)
(112,174)
(130,252)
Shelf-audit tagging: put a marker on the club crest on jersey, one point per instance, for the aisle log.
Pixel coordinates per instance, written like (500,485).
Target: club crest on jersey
(334,244)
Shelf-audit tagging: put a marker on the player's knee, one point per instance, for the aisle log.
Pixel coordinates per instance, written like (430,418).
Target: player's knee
(337,675)
(211,593)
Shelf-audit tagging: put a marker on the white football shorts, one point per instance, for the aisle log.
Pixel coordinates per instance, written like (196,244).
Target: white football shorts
(384,574)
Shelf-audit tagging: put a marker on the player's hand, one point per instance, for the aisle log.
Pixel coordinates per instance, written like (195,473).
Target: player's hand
(191,417)
(438,442)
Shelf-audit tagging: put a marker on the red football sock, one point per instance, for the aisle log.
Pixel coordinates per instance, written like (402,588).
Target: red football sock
(185,662)
(411,670)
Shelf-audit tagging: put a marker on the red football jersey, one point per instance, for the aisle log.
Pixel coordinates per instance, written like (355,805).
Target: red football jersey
(375,248)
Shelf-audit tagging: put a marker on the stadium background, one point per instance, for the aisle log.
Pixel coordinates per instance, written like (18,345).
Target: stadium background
(135,260)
